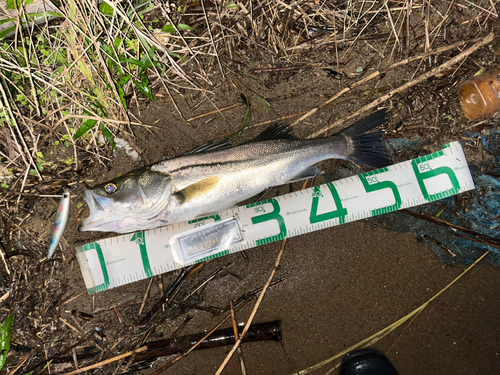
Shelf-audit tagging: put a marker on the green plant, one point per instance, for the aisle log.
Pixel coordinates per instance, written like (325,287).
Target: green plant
(5,339)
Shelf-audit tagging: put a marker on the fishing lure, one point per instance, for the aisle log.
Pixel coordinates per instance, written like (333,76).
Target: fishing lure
(480,95)
(60,222)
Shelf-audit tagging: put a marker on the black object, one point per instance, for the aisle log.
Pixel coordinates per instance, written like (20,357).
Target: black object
(257,332)
(366,362)
(270,331)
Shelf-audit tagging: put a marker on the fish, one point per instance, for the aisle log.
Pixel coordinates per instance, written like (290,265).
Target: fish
(214,177)
(59,223)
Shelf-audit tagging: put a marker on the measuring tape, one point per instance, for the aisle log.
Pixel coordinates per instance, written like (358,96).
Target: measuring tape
(117,261)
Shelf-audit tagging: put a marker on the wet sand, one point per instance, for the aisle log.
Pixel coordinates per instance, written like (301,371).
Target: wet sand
(348,282)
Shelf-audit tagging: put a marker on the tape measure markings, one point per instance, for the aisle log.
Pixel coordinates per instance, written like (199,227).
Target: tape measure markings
(119,260)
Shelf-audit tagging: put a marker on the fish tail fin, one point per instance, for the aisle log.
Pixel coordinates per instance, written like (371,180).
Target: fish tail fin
(368,148)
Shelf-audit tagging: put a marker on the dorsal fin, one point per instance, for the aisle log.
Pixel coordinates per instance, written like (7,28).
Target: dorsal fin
(210,146)
(275,131)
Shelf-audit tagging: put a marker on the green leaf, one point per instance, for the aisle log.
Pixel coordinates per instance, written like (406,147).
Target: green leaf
(106,9)
(139,63)
(266,103)
(84,127)
(169,28)
(16,4)
(121,92)
(107,49)
(5,339)
(182,26)
(145,89)
(108,135)
(118,43)
(246,121)
(177,55)
(69,161)
(4,33)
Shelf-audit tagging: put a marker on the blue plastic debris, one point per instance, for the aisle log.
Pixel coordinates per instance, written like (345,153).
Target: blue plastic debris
(478,210)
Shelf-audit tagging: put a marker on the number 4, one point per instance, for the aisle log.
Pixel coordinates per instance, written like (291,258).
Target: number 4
(340,212)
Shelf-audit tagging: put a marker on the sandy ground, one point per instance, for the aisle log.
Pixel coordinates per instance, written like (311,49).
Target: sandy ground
(348,282)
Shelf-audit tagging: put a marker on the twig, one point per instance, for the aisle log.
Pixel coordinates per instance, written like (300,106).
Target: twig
(207,280)
(6,265)
(483,238)
(213,112)
(108,361)
(236,336)
(167,297)
(28,356)
(72,299)
(254,311)
(407,85)
(99,118)
(284,68)
(212,39)
(145,296)
(375,75)
(167,365)
(276,119)
(69,325)
(75,358)
(5,296)
(342,92)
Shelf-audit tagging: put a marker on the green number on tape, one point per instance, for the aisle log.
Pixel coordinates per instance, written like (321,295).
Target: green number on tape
(274,215)
(105,285)
(423,171)
(339,212)
(139,239)
(371,184)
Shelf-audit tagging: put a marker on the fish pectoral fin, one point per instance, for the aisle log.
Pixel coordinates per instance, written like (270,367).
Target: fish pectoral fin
(309,172)
(197,189)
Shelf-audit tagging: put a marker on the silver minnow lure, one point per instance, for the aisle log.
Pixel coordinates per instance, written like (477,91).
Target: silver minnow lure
(214,177)
(60,222)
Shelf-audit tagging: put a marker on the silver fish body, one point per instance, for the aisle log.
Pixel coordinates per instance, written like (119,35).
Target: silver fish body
(200,184)
(60,222)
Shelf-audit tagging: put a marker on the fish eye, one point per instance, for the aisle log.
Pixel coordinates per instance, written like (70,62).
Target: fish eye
(110,188)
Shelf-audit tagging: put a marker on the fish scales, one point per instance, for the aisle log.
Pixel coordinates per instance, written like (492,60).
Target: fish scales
(200,184)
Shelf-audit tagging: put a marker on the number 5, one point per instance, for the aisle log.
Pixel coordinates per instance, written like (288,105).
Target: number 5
(379,186)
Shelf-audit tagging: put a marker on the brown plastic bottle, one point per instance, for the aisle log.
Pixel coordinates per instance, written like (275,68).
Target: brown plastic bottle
(480,96)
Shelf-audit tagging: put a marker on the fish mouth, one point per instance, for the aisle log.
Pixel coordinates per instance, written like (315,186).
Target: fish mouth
(98,218)
(94,206)
(107,216)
